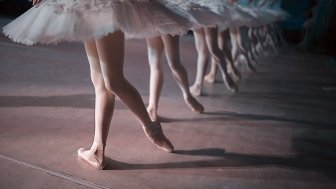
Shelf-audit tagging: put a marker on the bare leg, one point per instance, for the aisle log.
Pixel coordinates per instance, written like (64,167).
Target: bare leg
(249,49)
(111,56)
(155,51)
(244,52)
(112,65)
(270,38)
(211,36)
(260,37)
(172,49)
(223,38)
(104,106)
(238,51)
(253,42)
(107,76)
(211,76)
(202,60)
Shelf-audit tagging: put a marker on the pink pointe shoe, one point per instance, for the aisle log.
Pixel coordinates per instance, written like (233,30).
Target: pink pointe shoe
(155,134)
(94,157)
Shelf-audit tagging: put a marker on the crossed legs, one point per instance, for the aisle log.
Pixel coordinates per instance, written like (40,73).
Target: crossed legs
(106,59)
(155,49)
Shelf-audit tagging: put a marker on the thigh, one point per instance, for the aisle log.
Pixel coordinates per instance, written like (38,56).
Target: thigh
(110,50)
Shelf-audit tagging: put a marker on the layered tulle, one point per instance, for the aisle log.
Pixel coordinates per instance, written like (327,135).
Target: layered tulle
(203,15)
(54,21)
(234,15)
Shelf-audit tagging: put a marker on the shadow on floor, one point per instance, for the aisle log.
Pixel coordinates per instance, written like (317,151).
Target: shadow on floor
(233,116)
(233,160)
(72,101)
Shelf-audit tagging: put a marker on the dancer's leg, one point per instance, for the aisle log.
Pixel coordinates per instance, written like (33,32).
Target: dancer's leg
(211,36)
(202,60)
(155,51)
(234,43)
(172,49)
(104,105)
(111,56)
(248,44)
(270,38)
(242,53)
(253,42)
(261,38)
(210,77)
(223,39)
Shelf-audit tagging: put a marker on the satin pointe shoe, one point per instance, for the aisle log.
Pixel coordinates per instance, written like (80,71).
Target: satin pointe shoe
(92,156)
(155,134)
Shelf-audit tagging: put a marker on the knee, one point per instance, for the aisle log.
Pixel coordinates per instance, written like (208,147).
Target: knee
(204,54)
(175,64)
(114,84)
(154,59)
(154,63)
(214,51)
(98,82)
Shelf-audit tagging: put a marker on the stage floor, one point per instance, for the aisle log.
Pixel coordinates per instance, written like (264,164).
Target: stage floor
(278,132)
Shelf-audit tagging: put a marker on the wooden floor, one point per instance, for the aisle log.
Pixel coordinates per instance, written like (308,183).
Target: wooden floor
(279,131)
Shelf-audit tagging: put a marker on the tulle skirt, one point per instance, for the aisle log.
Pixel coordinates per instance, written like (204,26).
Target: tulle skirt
(53,21)
(203,15)
(278,14)
(234,15)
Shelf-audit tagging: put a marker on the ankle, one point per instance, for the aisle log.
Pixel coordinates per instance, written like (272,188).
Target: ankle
(98,145)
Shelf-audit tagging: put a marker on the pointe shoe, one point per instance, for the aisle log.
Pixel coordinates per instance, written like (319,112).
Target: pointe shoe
(195,90)
(194,105)
(155,134)
(90,157)
(229,83)
(250,66)
(210,78)
(247,63)
(152,114)
(234,73)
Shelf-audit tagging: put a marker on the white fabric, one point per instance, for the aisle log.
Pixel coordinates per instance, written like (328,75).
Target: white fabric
(204,16)
(54,21)
(234,15)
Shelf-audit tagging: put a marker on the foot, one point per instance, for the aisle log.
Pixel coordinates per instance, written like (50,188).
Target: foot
(248,63)
(229,82)
(210,78)
(155,134)
(196,90)
(93,156)
(194,105)
(236,76)
(152,112)
(250,66)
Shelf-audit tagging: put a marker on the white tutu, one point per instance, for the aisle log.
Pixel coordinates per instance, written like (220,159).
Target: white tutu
(254,12)
(53,21)
(234,15)
(269,14)
(202,14)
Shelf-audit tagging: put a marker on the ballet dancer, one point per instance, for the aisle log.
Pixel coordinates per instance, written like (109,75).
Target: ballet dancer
(238,53)
(214,40)
(170,44)
(102,25)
